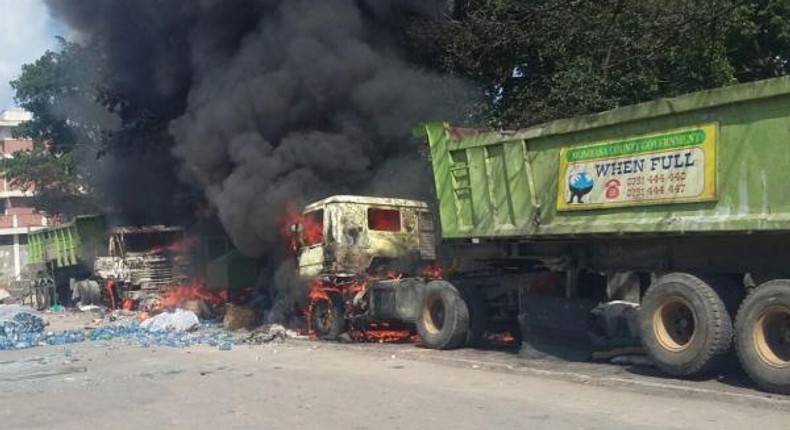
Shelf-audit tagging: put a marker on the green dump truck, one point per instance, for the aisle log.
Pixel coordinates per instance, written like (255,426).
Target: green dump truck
(136,258)
(666,224)
(681,205)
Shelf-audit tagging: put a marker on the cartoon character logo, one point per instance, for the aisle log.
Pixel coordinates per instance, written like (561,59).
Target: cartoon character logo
(580,184)
(612,187)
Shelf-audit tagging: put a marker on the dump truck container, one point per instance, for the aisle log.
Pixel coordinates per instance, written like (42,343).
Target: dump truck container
(70,244)
(709,162)
(680,205)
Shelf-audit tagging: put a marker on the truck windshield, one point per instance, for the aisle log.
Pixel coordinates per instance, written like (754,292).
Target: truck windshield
(151,241)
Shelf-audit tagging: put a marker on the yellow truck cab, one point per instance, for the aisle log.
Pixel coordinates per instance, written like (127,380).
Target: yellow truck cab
(348,235)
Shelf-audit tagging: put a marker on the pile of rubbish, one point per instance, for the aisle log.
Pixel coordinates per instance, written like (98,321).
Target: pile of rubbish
(22,327)
(136,334)
(270,333)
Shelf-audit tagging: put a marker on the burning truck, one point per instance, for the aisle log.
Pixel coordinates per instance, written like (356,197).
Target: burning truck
(371,264)
(675,209)
(128,262)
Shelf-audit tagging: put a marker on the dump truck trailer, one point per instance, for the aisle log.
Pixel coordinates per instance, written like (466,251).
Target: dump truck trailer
(681,205)
(677,210)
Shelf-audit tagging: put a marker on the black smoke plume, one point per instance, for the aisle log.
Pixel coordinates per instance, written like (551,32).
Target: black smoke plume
(263,102)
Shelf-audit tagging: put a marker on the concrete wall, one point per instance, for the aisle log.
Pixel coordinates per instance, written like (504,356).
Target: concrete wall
(13,258)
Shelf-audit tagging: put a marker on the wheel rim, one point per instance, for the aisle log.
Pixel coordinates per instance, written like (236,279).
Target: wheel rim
(433,315)
(674,324)
(323,317)
(771,336)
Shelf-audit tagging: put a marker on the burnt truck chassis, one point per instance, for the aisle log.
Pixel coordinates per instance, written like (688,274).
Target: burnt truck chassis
(363,275)
(357,307)
(446,313)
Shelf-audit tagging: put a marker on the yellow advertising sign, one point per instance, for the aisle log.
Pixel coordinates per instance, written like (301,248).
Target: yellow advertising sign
(677,166)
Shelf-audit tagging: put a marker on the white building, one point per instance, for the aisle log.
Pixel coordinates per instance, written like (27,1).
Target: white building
(17,217)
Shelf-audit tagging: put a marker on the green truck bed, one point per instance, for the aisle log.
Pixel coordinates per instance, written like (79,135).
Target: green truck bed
(70,244)
(707,162)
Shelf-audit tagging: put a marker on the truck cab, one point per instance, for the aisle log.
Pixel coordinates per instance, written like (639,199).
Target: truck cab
(148,257)
(350,235)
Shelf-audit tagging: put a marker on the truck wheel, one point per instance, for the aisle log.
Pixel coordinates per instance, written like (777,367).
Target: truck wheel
(327,318)
(685,325)
(443,321)
(762,336)
(478,314)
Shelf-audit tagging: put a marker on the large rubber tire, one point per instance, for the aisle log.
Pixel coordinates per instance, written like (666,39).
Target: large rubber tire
(478,314)
(443,321)
(327,318)
(762,336)
(685,325)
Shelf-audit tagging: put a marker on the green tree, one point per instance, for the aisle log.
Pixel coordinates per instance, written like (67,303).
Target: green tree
(540,60)
(51,88)
(759,43)
(97,141)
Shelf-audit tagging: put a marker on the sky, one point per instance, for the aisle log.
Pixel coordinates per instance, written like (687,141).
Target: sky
(26,31)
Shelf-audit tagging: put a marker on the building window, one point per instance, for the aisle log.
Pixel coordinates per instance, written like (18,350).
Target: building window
(383,219)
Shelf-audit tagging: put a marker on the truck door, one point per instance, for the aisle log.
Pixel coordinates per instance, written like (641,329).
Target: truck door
(311,250)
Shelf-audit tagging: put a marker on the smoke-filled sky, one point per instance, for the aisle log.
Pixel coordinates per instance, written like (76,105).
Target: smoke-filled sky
(270,101)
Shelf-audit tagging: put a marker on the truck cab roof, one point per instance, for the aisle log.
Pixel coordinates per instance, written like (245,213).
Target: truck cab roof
(365,200)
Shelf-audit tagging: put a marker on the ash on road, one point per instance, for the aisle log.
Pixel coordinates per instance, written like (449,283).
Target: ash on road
(305,385)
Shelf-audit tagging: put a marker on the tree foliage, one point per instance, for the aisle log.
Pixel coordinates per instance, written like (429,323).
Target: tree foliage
(96,141)
(56,89)
(540,60)
(759,43)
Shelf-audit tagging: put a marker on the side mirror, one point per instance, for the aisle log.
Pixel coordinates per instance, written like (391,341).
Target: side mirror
(296,228)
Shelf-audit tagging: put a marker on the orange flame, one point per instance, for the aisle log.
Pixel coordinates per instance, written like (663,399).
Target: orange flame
(373,332)
(384,333)
(312,228)
(177,247)
(504,338)
(433,271)
(196,291)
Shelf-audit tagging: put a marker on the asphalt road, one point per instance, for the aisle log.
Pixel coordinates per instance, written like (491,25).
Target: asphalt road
(311,385)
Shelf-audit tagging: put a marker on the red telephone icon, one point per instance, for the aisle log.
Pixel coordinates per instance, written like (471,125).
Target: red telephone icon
(612,189)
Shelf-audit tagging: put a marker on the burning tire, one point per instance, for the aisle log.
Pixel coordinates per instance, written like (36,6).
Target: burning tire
(327,318)
(685,325)
(443,322)
(762,338)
